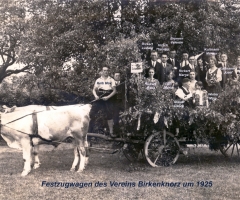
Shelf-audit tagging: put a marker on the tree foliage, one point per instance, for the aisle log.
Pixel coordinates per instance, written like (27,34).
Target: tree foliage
(44,34)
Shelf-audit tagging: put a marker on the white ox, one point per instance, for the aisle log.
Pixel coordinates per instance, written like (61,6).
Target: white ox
(54,127)
(36,108)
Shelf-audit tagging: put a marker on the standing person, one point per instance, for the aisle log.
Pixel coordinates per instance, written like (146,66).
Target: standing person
(185,71)
(184,59)
(149,91)
(104,88)
(118,99)
(162,69)
(201,71)
(228,72)
(193,81)
(213,77)
(153,63)
(176,65)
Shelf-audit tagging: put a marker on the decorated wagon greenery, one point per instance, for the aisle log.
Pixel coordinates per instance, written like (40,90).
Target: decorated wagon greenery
(167,129)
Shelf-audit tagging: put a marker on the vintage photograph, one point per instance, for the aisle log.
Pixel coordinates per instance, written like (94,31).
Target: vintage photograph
(119,99)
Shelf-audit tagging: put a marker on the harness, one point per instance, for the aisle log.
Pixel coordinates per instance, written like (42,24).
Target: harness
(34,133)
(34,127)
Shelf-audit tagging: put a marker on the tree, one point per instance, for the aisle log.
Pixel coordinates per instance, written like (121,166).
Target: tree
(12,23)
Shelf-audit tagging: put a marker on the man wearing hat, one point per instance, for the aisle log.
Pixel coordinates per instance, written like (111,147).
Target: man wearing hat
(183,94)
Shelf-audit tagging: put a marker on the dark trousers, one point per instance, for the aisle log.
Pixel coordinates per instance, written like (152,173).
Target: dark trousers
(105,106)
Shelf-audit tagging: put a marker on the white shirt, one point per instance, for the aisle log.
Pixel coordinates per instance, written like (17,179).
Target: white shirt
(219,74)
(153,63)
(181,94)
(192,88)
(184,63)
(105,83)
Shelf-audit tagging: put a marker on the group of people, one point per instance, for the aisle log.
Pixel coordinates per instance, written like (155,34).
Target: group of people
(191,79)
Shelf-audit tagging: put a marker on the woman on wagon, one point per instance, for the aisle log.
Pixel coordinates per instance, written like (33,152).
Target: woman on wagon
(213,77)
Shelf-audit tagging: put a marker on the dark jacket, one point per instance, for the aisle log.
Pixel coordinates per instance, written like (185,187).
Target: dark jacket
(161,72)
(150,66)
(176,67)
(227,73)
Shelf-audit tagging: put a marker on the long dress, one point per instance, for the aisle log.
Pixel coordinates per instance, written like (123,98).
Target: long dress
(215,87)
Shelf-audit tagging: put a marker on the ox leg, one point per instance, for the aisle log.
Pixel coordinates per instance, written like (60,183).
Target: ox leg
(76,159)
(27,156)
(87,151)
(82,152)
(36,158)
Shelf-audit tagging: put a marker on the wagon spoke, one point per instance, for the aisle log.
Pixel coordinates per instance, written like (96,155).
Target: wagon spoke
(228,148)
(232,149)
(156,159)
(237,149)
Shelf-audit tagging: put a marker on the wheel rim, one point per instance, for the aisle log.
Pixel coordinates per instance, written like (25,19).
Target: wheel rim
(157,154)
(231,149)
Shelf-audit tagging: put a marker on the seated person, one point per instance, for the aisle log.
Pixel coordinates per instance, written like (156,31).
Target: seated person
(200,97)
(170,83)
(170,86)
(193,81)
(183,94)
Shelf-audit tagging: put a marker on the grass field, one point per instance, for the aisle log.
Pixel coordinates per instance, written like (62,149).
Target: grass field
(201,165)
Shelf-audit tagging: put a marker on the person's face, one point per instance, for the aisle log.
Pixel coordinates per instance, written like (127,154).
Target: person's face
(211,63)
(154,56)
(151,72)
(185,56)
(197,87)
(172,54)
(238,61)
(170,76)
(117,77)
(191,60)
(200,62)
(164,58)
(105,71)
(186,85)
(192,75)
(224,58)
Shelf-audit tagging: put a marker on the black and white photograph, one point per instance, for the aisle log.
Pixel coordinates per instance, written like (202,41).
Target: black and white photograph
(119,99)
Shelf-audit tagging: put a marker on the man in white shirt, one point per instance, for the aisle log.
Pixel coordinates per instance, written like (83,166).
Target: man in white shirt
(184,94)
(104,88)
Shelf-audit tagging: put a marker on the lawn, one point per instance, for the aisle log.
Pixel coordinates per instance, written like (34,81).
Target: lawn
(201,165)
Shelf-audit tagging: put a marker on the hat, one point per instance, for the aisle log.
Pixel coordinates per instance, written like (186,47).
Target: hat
(185,80)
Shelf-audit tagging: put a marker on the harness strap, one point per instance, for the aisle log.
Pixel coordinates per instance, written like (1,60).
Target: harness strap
(35,123)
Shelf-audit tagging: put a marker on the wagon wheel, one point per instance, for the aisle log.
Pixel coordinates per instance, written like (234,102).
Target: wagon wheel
(158,154)
(231,149)
(131,151)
